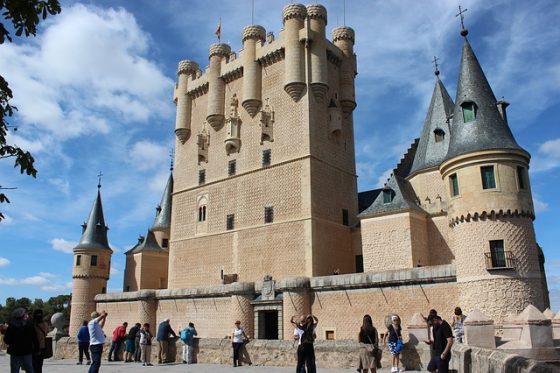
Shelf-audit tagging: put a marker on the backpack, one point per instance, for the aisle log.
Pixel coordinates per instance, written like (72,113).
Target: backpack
(186,334)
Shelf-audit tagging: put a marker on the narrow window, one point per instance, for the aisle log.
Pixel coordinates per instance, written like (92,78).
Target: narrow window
(345,217)
(128,288)
(103,290)
(497,254)
(266,157)
(521,177)
(202,213)
(359,259)
(78,260)
(488,179)
(231,167)
(230,222)
(439,134)
(388,195)
(93,262)
(469,111)
(165,243)
(201,177)
(269,214)
(454,185)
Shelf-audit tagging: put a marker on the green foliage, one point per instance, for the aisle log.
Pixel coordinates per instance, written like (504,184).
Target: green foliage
(60,303)
(24,16)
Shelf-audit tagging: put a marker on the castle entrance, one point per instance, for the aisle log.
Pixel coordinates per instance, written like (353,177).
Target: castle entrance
(268,324)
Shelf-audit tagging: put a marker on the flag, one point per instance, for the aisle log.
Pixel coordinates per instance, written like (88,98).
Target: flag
(219,30)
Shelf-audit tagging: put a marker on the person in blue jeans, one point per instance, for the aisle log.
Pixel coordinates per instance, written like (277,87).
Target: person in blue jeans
(83,344)
(96,339)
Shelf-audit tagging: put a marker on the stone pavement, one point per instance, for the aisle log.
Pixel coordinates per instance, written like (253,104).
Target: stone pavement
(67,366)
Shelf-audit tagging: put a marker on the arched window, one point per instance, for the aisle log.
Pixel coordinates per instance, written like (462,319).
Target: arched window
(202,205)
(439,134)
(202,213)
(469,111)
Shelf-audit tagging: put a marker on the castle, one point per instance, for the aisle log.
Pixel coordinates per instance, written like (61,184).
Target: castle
(261,218)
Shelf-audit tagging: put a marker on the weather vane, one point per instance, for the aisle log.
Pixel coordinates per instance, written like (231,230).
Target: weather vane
(436,65)
(464,31)
(99,175)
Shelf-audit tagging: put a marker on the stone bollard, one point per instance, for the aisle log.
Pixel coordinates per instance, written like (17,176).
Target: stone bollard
(418,353)
(537,330)
(511,330)
(417,329)
(479,330)
(556,327)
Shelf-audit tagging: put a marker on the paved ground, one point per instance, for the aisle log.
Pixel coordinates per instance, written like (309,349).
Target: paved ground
(67,366)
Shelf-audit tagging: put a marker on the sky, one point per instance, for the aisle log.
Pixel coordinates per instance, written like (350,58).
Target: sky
(94,91)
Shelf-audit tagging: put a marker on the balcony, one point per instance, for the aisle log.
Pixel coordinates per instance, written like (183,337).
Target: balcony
(499,260)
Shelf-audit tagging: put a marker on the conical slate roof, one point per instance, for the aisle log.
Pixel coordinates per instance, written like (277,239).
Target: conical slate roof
(162,221)
(429,152)
(149,243)
(95,231)
(488,130)
(403,199)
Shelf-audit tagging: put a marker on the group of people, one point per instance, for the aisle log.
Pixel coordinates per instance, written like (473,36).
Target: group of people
(27,341)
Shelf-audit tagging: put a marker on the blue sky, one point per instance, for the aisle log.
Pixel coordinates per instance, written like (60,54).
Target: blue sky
(94,91)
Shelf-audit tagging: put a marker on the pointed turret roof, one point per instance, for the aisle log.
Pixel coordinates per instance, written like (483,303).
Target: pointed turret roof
(148,243)
(488,130)
(403,199)
(94,233)
(162,221)
(431,153)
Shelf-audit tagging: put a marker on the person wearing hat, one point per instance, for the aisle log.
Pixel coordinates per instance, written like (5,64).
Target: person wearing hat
(22,342)
(394,333)
(96,339)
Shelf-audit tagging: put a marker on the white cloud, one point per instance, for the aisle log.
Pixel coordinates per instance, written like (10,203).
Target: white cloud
(115,271)
(540,206)
(61,184)
(4,262)
(146,155)
(8,220)
(384,178)
(554,295)
(60,244)
(548,156)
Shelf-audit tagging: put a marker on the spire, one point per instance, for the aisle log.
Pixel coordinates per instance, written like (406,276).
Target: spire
(434,140)
(146,243)
(477,123)
(162,221)
(94,233)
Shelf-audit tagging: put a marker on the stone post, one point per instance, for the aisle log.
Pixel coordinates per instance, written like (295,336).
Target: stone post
(296,300)
(417,328)
(479,330)
(147,308)
(537,330)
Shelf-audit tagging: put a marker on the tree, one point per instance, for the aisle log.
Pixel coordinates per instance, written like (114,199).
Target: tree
(24,16)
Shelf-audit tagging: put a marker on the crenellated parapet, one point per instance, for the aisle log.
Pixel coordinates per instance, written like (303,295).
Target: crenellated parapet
(317,12)
(343,33)
(221,50)
(254,32)
(186,71)
(294,11)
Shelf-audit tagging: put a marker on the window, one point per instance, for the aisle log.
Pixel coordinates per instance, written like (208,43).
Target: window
(78,260)
(454,185)
(128,288)
(202,213)
(329,335)
(201,177)
(521,177)
(93,260)
(266,157)
(231,167)
(488,179)
(345,217)
(165,243)
(103,290)
(230,222)
(388,195)
(359,260)
(269,214)
(469,111)
(439,134)
(497,254)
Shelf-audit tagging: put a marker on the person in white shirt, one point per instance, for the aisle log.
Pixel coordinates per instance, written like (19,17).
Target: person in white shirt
(238,338)
(96,339)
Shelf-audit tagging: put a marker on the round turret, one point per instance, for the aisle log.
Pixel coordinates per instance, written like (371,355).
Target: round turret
(294,78)
(317,15)
(291,11)
(220,50)
(343,38)
(187,67)
(343,34)
(317,12)
(254,32)
(216,86)
(252,75)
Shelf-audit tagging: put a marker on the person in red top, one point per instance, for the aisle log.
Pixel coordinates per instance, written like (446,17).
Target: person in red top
(118,337)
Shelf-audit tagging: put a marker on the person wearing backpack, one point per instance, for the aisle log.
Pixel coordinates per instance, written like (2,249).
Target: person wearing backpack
(187,336)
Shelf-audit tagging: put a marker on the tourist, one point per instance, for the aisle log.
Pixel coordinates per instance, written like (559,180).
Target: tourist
(430,326)
(238,338)
(83,344)
(96,339)
(298,331)
(307,354)
(395,342)
(458,325)
(163,334)
(119,334)
(146,344)
(187,336)
(41,330)
(22,341)
(137,350)
(442,342)
(129,343)
(3,328)
(369,353)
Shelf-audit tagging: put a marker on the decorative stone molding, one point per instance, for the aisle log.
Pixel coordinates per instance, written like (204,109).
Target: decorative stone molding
(198,90)
(233,123)
(290,11)
(187,67)
(254,32)
(183,134)
(490,215)
(232,75)
(266,122)
(343,33)
(296,90)
(220,50)
(333,58)
(203,143)
(271,58)
(317,11)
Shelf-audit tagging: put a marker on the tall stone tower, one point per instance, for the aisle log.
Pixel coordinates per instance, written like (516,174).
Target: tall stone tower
(265,180)
(92,264)
(490,204)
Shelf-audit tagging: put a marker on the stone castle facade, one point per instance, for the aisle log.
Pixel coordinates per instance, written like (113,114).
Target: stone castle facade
(261,218)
